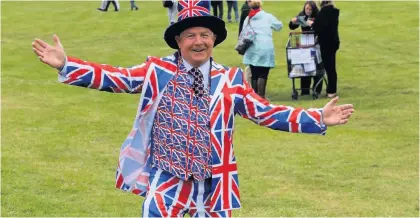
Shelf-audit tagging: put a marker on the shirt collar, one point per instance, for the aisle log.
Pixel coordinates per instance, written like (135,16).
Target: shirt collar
(205,68)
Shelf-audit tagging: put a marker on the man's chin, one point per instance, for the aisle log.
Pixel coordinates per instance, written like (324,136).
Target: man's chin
(199,61)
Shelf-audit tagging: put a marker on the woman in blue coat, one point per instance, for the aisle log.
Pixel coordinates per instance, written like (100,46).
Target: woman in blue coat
(260,56)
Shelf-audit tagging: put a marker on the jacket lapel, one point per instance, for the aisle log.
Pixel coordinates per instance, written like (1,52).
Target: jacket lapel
(217,81)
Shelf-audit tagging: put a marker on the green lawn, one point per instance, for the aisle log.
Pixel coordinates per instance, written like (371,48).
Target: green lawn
(60,144)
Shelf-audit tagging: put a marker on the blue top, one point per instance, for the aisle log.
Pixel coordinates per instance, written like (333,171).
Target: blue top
(261,52)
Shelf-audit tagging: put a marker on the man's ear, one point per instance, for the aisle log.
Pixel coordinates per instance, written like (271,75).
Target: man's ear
(178,40)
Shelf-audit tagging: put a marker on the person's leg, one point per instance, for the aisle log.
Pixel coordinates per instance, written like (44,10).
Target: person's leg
(327,58)
(305,85)
(172,14)
(235,9)
(333,74)
(214,6)
(116,5)
(221,10)
(254,77)
(262,80)
(167,195)
(248,75)
(133,5)
(104,5)
(200,201)
(230,5)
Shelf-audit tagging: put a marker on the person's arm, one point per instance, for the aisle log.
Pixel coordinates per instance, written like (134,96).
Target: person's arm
(244,14)
(293,25)
(102,77)
(276,25)
(289,119)
(87,74)
(278,117)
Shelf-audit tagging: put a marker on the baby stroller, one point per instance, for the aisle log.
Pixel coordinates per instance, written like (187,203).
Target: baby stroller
(303,57)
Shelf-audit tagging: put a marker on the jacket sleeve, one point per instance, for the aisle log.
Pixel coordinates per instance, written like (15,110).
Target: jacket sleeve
(278,117)
(320,22)
(103,77)
(244,14)
(294,26)
(276,24)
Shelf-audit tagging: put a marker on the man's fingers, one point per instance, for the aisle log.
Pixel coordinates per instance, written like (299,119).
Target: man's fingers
(346,106)
(347,111)
(57,41)
(346,116)
(344,121)
(41,43)
(333,101)
(38,52)
(37,46)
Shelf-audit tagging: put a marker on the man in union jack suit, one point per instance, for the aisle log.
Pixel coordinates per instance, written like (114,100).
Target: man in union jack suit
(179,153)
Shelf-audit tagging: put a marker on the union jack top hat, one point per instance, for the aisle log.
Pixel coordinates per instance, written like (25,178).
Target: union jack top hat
(195,13)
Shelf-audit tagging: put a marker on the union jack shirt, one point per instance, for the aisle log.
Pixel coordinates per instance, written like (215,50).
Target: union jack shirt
(230,95)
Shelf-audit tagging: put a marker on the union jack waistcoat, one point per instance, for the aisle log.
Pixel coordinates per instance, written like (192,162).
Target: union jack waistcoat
(230,95)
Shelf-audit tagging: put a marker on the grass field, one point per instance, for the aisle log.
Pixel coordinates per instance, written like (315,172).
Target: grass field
(60,144)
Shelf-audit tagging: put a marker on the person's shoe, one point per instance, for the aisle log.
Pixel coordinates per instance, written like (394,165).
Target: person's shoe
(331,95)
(100,9)
(230,21)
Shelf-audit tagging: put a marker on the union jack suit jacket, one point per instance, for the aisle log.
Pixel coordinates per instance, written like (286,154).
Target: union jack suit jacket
(230,95)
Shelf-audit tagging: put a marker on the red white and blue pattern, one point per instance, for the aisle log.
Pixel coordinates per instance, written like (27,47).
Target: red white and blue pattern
(181,130)
(192,8)
(169,196)
(230,95)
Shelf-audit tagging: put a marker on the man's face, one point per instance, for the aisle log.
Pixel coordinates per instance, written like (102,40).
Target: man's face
(196,45)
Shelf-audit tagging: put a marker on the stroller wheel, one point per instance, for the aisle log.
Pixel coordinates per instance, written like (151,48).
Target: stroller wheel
(315,96)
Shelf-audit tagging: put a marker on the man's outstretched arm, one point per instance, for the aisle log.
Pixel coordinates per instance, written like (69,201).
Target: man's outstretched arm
(286,118)
(87,74)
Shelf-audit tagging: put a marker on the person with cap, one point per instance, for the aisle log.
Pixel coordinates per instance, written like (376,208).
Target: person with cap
(179,154)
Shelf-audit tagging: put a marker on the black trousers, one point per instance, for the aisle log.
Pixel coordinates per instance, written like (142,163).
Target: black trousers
(218,4)
(113,3)
(328,57)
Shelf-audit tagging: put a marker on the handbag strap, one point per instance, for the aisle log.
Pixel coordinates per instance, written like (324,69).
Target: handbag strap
(249,24)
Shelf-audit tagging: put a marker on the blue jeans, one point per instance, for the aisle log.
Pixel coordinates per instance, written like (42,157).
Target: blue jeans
(233,4)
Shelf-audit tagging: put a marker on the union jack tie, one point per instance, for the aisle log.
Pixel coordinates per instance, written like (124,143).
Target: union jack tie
(198,84)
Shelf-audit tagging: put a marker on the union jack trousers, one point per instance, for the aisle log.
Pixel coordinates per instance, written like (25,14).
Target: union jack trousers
(170,196)
(230,95)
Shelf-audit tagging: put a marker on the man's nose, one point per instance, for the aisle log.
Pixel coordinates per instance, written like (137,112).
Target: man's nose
(198,40)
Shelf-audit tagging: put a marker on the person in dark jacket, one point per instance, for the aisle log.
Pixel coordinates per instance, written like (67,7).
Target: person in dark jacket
(244,13)
(309,12)
(326,27)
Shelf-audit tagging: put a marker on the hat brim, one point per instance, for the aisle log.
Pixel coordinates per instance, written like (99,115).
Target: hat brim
(215,24)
